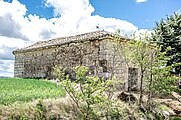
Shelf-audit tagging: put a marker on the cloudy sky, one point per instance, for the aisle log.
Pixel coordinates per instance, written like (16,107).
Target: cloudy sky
(24,22)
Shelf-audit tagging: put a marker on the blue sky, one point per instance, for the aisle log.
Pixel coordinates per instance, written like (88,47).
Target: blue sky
(142,14)
(24,22)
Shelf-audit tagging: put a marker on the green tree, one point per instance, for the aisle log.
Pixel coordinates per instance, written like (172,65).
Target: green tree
(154,75)
(161,82)
(167,33)
(139,55)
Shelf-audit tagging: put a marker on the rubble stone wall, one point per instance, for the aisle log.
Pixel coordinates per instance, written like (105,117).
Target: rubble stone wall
(100,55)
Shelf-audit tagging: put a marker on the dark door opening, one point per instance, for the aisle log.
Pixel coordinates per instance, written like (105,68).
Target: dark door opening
(132,79)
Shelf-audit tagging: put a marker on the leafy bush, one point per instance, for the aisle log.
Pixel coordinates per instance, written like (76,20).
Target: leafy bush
(92,95)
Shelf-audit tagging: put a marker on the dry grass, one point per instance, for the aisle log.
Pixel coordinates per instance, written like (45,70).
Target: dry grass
(48,108)
(64,108)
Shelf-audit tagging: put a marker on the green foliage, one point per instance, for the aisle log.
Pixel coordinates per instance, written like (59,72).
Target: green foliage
(167,34)
(152,63)
(163,82)
(175,118)
(24,90)
(138,53)
(91,94)
(163,107)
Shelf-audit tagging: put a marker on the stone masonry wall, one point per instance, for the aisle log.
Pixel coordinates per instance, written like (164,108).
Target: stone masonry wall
(112,53)
(39,64)
(102,56)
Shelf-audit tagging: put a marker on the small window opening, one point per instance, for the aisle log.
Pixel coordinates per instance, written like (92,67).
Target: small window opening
(103,62)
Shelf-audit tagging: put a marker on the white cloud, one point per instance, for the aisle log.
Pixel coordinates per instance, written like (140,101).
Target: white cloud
(139,1)
(13,34)
(108,24)
(6,68)
(71,17)
(7,45)
(17,25)
(142,33)
(65,8)
(75,17)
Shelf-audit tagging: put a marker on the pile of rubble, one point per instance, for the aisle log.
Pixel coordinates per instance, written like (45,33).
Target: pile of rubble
(173,102)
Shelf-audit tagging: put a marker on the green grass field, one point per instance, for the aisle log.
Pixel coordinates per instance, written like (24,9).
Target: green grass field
(24,90)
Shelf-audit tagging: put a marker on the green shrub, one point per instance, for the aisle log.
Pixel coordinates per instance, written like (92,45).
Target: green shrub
(92,95)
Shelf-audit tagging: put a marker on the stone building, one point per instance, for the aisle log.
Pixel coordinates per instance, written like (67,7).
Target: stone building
(97,50)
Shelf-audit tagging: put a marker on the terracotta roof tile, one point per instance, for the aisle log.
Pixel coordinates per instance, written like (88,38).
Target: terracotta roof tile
(64,40)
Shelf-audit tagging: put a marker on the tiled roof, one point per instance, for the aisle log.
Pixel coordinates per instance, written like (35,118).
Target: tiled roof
(64,40)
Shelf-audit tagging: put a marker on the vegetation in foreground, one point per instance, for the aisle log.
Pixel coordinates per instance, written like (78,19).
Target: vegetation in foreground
(24,90)
(89,97)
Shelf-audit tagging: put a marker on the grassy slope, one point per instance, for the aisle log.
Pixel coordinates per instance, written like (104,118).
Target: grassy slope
(24,90)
